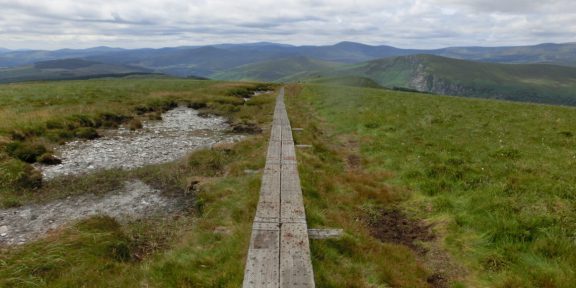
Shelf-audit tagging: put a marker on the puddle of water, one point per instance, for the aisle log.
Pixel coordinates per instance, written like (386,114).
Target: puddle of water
(135,200)
(181,131)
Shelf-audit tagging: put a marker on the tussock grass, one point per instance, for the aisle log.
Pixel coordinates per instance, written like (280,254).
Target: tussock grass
(37,116)
(202,247)
(495,176)
(338,196)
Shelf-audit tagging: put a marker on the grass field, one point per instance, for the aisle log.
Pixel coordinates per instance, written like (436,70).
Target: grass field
(495,179)
(492,179)
(206,246)
(189,249)
(35,117)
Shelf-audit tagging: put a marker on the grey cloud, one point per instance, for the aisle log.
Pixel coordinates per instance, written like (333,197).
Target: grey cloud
(405,23)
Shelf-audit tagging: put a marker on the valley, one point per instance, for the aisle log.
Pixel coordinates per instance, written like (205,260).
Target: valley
(540,74)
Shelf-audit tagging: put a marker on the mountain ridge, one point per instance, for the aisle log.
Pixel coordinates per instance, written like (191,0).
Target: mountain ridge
(198,60)
(67,69)
(540,83)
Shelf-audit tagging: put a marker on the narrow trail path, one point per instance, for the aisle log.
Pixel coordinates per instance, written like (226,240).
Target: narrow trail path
(279,252)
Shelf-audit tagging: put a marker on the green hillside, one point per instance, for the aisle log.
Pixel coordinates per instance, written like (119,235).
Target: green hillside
(559,54)
(276,70)
(346,81)
(66,69)
(494,180)
(522,82)
(430,191)
(539,83)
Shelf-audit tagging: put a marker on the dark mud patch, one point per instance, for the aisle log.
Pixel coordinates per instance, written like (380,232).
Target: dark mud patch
(246,128)
(354,162)
(392,226)
(438,280)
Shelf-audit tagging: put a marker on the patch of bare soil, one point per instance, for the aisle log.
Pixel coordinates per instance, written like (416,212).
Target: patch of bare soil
(352,156)
(445,269)
(394,227)
(438,280)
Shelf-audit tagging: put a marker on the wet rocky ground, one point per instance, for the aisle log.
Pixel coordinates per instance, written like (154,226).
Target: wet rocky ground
(135,200)
(180,132)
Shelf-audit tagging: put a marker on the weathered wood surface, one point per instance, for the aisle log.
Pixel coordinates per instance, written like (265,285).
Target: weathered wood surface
(325,233)
(279,252)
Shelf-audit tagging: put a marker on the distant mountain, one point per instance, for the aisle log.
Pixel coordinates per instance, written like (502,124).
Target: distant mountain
(562,54)
(539,83)
(27,57)
(67,69)
(276,70)
(208,60)
(252,45)
(202,61)
(350,52)
(354,81)
(4,50)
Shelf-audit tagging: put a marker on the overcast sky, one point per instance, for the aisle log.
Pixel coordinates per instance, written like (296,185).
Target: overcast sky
(402,23)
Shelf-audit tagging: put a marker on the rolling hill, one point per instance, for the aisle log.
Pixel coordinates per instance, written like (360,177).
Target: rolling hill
(538,83)
(208,60)
(352,81)
(276,70)
(67,69)
(561,54)
(486,76)
(27,57)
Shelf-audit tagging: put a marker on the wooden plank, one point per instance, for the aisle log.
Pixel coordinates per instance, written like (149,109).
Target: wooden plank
(279,252)
(270,187)
(288,154)
(276,133)
(295,264)
(274,152)
(264,250)
(325,233)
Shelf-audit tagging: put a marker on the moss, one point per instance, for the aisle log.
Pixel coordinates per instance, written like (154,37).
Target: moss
(24,133)
(16,173)
(84,121)
(155,116)
(59,135)
(26,152)
(86,133)
(135,124)
(49,159)
(197,105)
(112,120)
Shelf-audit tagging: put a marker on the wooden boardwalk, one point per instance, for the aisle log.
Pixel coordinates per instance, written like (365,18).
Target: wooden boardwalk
(279,253)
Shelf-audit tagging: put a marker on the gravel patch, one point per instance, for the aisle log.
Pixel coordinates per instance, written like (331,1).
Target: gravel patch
(135,200)
(181,131)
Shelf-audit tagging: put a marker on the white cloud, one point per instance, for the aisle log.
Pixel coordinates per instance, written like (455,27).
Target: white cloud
(404,23)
